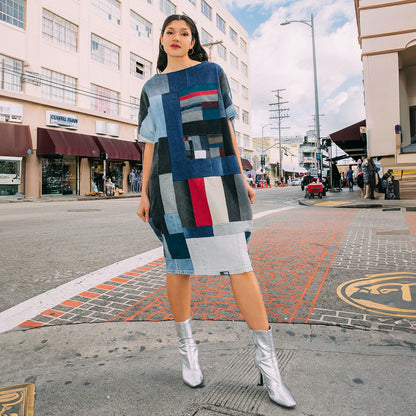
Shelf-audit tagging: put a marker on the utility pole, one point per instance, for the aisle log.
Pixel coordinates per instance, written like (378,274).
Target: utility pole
(279,116)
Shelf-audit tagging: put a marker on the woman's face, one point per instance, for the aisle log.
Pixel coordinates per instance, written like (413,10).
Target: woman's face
(177,39)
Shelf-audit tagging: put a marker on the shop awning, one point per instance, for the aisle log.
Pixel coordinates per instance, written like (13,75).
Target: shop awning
(119,149)
(246,164)
(351,140)
(15,140)
(58,142)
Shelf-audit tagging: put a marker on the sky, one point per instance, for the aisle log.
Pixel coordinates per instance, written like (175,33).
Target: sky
(281,58)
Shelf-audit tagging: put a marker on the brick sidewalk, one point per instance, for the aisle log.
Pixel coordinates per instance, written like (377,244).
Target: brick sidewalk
(292,255)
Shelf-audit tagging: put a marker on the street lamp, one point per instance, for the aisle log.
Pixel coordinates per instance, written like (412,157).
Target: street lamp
(317,126)
(262,157)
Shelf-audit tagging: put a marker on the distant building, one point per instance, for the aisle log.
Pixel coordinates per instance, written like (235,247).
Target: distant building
(71,77)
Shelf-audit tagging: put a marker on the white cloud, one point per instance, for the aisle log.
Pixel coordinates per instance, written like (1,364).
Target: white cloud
(281,58)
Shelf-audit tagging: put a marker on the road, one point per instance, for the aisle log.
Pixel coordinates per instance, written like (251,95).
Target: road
(47,244)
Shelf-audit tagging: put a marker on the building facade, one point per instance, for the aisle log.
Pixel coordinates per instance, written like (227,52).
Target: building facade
(71,77)
(387,36)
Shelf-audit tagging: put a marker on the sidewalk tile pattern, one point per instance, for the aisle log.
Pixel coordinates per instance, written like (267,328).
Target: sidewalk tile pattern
(292,259)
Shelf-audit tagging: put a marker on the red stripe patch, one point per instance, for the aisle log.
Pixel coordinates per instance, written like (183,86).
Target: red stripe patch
(200,202)
(198,93)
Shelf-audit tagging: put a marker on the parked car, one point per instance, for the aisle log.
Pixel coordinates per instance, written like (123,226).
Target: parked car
(296,182)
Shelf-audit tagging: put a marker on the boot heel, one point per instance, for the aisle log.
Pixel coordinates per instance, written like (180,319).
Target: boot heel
(260,383)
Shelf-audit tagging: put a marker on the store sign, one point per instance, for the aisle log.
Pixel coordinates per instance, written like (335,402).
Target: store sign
(67,121)
(11,111)
(110,129)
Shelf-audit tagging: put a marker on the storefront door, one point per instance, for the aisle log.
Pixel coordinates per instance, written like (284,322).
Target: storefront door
(59,176)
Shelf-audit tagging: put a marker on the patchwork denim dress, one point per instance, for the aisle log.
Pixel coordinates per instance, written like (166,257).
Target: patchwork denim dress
(199,207)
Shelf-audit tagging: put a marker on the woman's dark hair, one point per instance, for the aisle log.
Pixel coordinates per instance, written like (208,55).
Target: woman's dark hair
(198,53)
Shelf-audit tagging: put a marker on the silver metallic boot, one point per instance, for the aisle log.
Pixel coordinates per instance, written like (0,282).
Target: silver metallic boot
(266,362)
(191,372)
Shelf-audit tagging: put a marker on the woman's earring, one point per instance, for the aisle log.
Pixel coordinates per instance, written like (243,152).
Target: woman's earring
(191,51)
(161,48)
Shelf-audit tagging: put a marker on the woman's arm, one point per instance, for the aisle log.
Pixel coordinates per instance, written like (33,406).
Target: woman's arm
(144,205)
(250,191)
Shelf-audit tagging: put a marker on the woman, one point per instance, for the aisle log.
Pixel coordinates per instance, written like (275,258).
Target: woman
(195,196)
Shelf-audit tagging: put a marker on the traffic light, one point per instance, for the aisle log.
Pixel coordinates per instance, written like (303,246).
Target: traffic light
(263,160)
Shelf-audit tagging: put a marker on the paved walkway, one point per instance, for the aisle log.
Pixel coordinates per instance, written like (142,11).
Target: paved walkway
(129,365)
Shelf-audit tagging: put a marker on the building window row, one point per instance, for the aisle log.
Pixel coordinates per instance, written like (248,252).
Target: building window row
(13,12)
(105,52)
(10,74)
(58,87)
(167,7)
(57,30)
(104,100)
(142,27)
(109,9)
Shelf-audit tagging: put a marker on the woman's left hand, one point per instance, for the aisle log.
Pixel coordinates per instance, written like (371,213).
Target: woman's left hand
(251,193)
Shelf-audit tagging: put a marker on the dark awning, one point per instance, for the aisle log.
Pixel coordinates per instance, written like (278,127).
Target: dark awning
(119,149)
(351,140)
(57,142)
(15,140)
(246,164)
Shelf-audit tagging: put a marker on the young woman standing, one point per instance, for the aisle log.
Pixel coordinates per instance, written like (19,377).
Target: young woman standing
(195,196)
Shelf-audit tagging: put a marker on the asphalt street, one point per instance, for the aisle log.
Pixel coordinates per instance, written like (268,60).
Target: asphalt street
(337,276)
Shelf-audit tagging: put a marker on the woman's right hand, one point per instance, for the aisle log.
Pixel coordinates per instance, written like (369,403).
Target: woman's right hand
(144,207)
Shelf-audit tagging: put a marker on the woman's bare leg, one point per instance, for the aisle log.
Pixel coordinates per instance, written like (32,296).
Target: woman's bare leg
(179,295)
(249,300)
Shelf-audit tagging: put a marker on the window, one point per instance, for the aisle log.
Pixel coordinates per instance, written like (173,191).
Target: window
(192,1)
(10,74)
(238,112)
(221,24)
(105,52)
(110,9)
(244,69)
(104,100)
(13,12)
(234,85)
(58,87)
(59,31)
(243,45)
(206,9)
(141,27)
(233,35)
(140,67)
(222,52)
(247,143)
(205,37)
(134,108)
(245,117)
(233,61)
(167,7)
(244,92)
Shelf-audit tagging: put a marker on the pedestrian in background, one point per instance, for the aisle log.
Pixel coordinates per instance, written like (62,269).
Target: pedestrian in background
(132,178)
(136,181)
(359,177)
(195,196)
(350,178)
(369,176)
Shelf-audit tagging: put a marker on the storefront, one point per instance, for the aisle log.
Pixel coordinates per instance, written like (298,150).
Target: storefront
(74,163)
(15,145)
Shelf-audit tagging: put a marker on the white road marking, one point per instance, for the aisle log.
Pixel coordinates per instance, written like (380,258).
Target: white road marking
(30,308)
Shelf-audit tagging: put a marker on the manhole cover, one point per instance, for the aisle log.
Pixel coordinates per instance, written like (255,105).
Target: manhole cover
(17,400)
(387,293)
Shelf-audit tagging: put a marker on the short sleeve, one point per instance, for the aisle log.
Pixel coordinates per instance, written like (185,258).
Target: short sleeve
(146,127)
(230,110)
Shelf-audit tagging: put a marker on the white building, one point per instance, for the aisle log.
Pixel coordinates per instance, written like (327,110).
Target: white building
(71,77)
(387,36)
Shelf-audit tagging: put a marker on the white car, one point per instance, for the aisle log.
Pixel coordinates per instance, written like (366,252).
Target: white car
(296,182)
